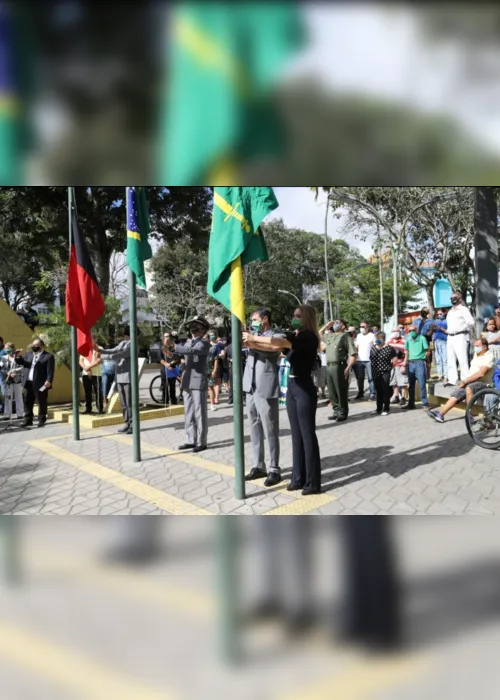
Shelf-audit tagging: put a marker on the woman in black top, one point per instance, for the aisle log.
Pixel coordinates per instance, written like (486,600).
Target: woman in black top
(382,356)
(302,399)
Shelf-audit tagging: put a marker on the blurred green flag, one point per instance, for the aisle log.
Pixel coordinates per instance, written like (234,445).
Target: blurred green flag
(236,240)
(138,246)
(9,105)
(225,59)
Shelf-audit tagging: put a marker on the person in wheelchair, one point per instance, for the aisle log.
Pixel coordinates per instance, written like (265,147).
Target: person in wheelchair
(480,377)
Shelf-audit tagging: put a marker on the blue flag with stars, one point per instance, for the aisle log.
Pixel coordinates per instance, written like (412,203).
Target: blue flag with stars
(138,247)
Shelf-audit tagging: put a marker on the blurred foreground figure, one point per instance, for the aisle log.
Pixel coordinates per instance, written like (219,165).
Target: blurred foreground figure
(136,538)
(371,598)
(285,554)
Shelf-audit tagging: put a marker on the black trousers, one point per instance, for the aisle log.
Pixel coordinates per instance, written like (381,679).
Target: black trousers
(93,387)
(372,595)
(168,390)
(383,391)
(126,403)
(30,396)
(301,404)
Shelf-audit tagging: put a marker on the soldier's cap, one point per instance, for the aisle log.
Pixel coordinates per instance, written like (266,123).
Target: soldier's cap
(198,321)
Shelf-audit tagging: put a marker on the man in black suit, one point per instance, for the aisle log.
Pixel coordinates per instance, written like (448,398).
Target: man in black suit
(41,366)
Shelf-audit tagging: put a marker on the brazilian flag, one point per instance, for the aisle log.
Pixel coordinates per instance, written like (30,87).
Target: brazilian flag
(236,240)
(225,59)
(138,246)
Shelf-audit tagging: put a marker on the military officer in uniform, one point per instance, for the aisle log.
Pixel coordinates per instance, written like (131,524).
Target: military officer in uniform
(340,357)
(195,385)
(261,387)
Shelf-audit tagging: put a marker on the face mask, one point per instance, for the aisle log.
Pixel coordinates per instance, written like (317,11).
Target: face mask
(337,327)
(414,334)
(440,317)
(395,335)
(36,348)
(256,326)
(455,301)
(212,337)
(296,324)
(379,341)
(10,352)
(478,350)
(364,331)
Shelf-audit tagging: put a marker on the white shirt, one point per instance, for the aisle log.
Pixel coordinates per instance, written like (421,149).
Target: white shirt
(322,357)
(486,360)
(32,369)
(365,343)
(460,319)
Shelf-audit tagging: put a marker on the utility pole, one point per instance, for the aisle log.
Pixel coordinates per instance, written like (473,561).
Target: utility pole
(486,245)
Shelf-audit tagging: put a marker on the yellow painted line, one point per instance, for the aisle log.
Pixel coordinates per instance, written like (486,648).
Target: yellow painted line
(123,581)
(149,494)
(364,679)
(73,672)
(302,505)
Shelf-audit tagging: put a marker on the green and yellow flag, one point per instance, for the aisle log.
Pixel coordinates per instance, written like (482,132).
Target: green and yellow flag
(236,240)
(225,59)
(138,247)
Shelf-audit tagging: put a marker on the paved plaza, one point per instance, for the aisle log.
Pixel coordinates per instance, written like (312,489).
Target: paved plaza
(400,464)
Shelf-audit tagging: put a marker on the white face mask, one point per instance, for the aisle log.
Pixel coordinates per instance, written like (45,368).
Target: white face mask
(364,331)
(394,336)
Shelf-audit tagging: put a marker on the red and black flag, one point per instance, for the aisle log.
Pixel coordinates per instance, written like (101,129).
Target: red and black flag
(84,301)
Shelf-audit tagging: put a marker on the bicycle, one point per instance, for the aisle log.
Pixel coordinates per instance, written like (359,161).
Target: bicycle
(484,429)
(158,390)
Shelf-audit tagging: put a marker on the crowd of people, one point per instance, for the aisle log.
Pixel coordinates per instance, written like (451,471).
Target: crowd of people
(293,369)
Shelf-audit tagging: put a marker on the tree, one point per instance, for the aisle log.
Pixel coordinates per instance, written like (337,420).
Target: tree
(424,227)
(180,282)
(37,218)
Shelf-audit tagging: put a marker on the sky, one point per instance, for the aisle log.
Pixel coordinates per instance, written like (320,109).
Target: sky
(298,209)
(381,50)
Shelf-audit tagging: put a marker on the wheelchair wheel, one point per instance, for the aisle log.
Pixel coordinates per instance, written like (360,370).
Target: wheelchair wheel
(157,390)
(484,428)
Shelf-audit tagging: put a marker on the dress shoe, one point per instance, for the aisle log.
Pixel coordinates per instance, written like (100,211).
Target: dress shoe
(200,448)
(27,424)
(310,492)
(256,473)
(341,419)
(187,446)
(124,429)
(130,431)
(41,423)
(332,417)
(273,479)
(294,487)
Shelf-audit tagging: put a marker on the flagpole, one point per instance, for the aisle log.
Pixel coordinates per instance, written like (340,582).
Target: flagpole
(239,442)
(74,351)
(134,362)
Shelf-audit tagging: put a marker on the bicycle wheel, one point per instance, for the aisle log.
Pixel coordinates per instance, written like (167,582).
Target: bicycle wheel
(157,390)
(484,428)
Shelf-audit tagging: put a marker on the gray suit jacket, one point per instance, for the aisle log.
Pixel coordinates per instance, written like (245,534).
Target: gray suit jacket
(261,372)
(120,355)
(195,371)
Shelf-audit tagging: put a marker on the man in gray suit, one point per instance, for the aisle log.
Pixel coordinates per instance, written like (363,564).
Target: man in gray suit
(261,386)
(121,355)
(195,386)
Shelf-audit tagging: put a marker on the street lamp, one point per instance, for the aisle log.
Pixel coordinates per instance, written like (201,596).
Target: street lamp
(351,199)
(283,291)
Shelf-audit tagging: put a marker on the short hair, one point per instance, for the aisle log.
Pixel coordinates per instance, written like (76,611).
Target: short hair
(1,339)
(9,345)
(263,312)
(39,340)
(126,330)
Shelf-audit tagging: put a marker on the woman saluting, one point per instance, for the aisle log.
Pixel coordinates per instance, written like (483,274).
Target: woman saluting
(302,398)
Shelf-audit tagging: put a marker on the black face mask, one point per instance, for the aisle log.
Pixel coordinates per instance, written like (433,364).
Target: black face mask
(36,348)
(455,301)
